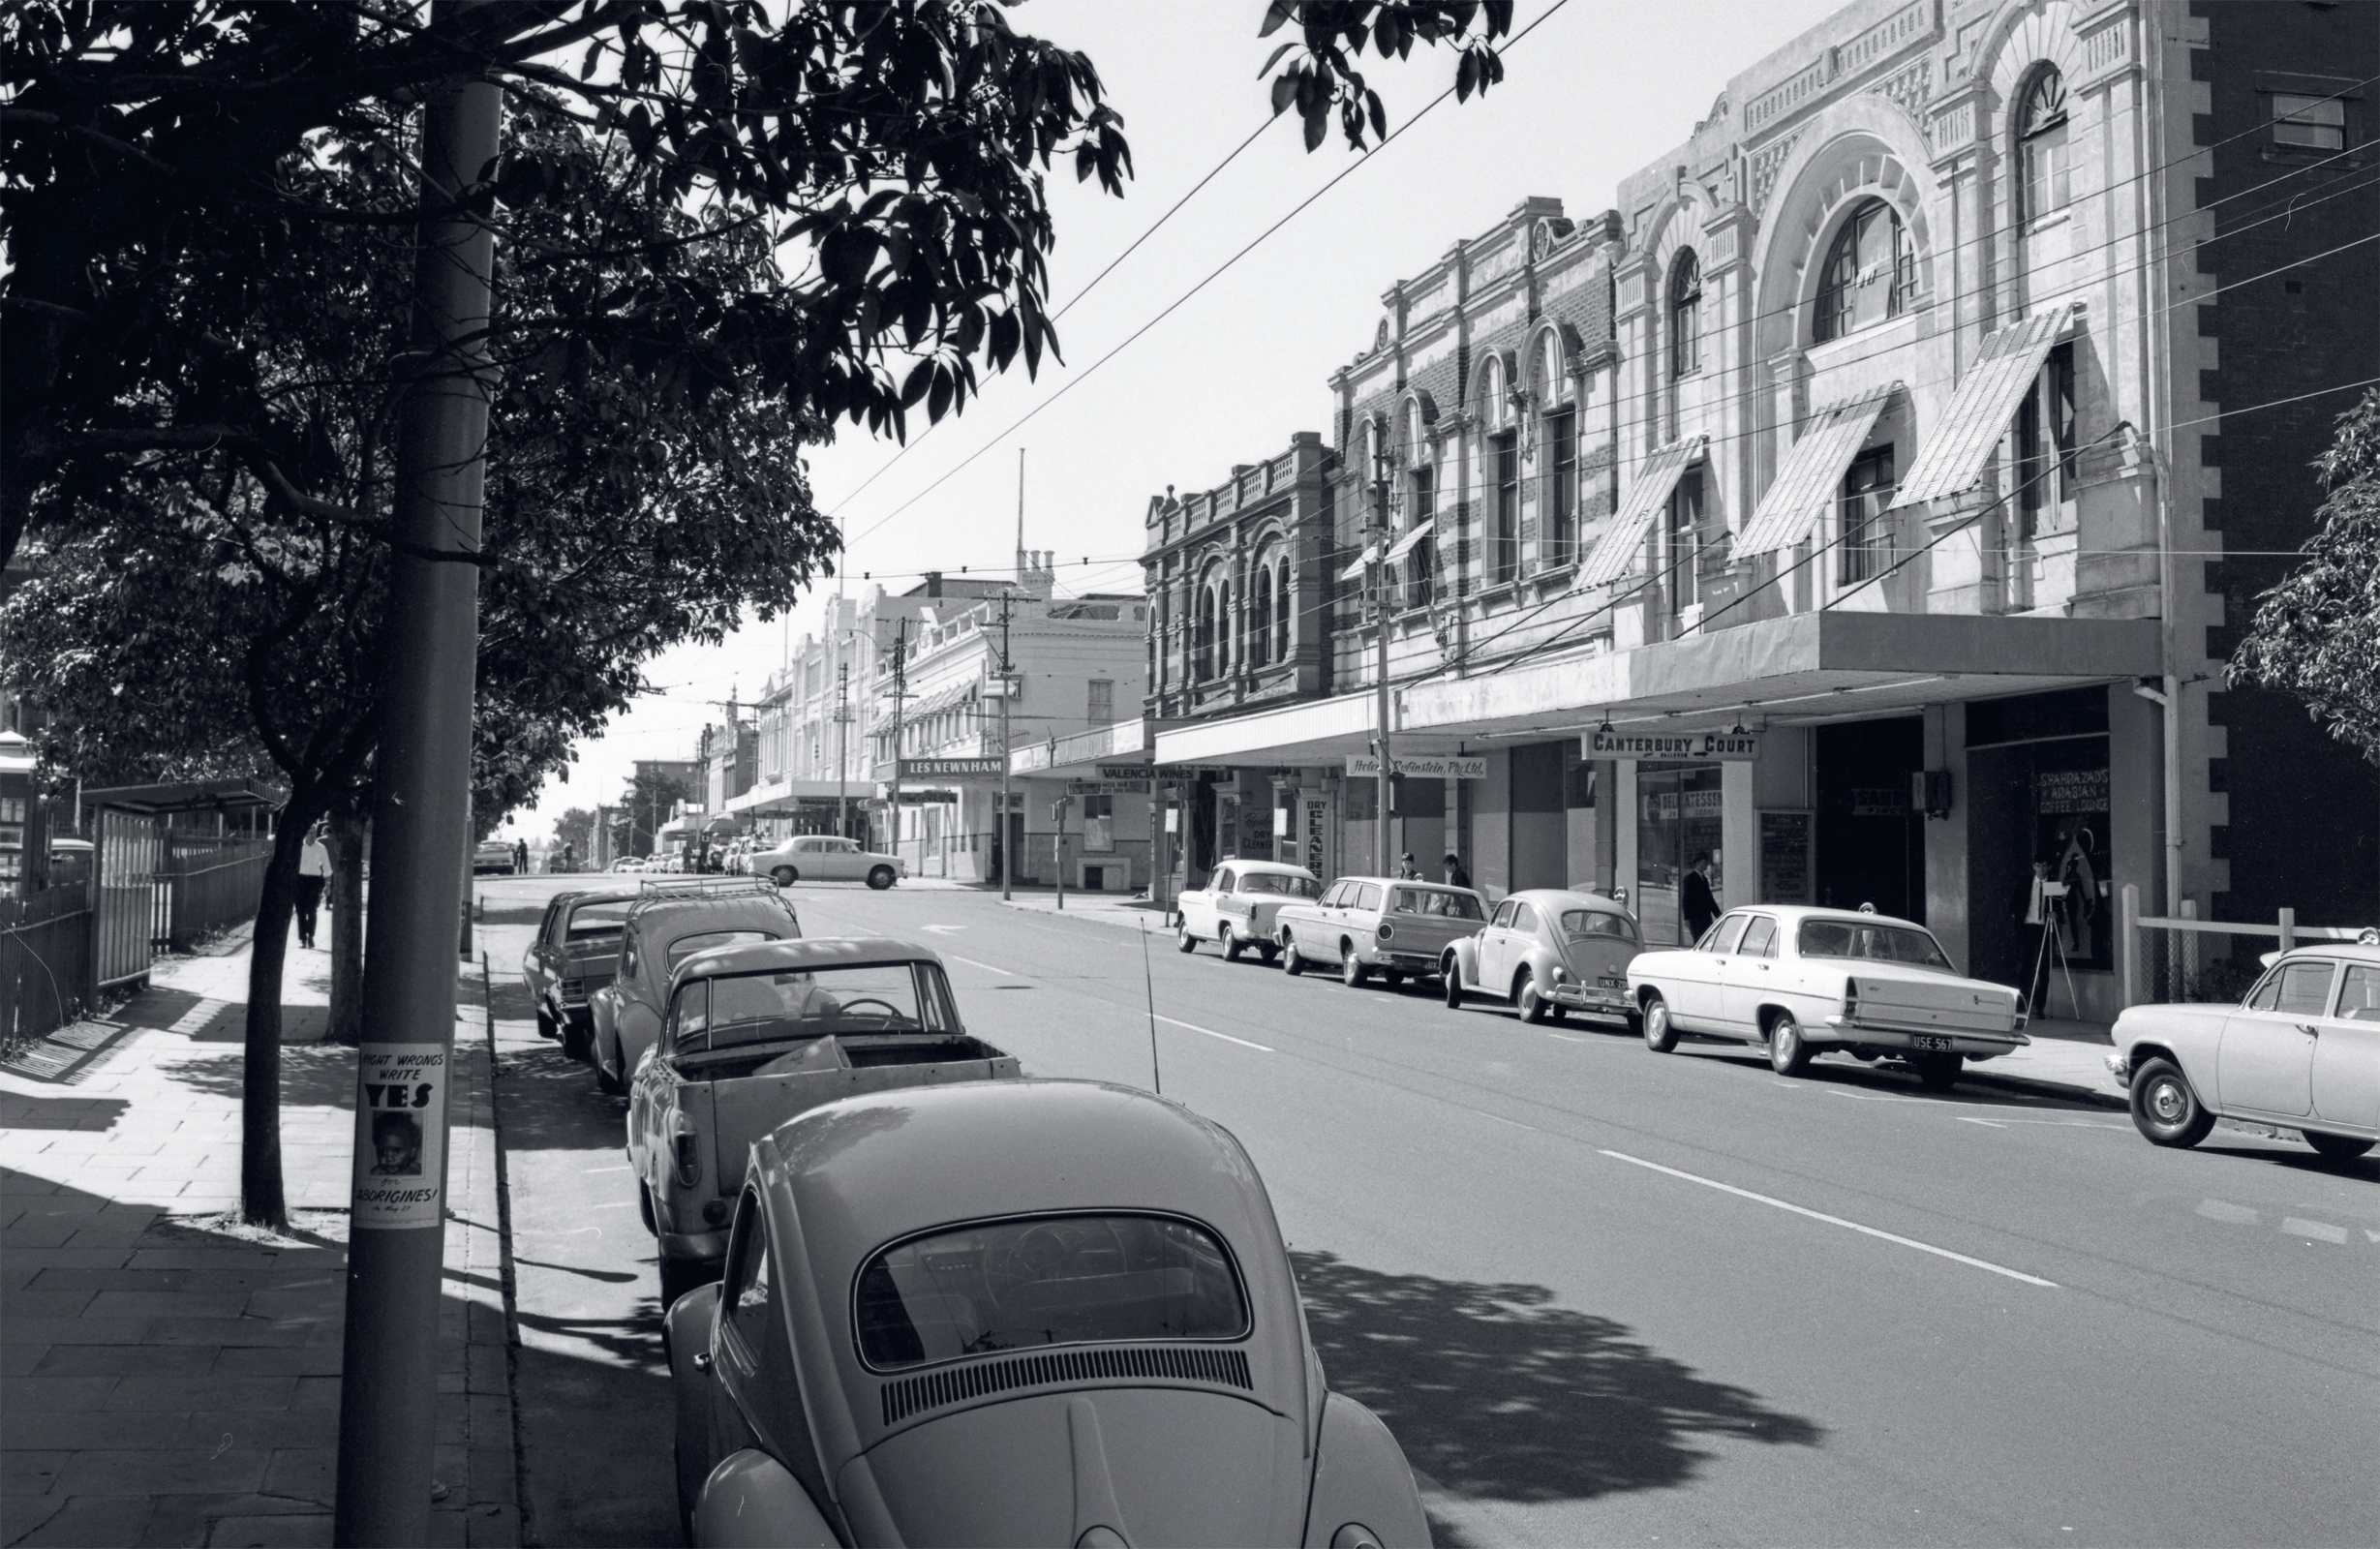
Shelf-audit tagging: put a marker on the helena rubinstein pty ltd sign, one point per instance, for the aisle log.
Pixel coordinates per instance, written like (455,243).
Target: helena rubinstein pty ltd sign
(1684,747)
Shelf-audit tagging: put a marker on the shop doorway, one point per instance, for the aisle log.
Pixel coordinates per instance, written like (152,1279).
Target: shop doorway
(1871,847)
(1678,811)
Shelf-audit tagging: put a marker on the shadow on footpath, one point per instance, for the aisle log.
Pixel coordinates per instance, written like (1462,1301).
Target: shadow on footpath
(1497,1394)
(316,1074)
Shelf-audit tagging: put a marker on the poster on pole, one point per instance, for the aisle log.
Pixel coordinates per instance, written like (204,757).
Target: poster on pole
(401,1123)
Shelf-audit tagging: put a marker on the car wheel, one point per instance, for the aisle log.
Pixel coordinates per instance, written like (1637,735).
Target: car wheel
(1292,963)
(1939,1073)
(2164,1108)
(1184,941)
(1352,971)
(1660,1034)
(1454,977)
(784,876)
(644,1206)
(1787,1053)
(607,1083)
(575,1041)
(545,1023)
(880,878)
(1229,943)
(1524,995)
(678,1277)
(2335,1147)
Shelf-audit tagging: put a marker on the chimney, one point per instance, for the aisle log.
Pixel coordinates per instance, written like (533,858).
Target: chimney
(1040,575)
(933,583)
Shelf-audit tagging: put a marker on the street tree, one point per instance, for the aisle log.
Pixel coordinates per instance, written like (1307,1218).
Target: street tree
(2317,634)
(575,827)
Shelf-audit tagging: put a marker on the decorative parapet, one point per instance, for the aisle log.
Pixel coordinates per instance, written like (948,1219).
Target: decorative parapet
(1767,163)
(1788,94)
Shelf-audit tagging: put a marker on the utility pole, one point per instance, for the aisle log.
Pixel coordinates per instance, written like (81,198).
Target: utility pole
(1380,620)
(1008,858)
(901,691)
(397,1216)
(842,748)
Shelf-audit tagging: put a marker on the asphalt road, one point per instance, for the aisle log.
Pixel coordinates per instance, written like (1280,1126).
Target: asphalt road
(1603,1296)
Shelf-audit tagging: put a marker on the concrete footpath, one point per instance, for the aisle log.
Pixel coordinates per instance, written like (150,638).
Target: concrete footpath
(168,1376)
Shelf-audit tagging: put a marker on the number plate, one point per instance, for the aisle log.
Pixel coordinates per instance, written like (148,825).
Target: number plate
(1612,982)
(1926,1044)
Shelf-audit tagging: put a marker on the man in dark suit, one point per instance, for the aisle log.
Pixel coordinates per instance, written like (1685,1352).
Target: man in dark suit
(1695,901)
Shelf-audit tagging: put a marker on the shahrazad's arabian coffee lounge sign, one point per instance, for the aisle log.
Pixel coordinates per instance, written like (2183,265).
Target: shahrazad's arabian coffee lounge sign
(1678,748)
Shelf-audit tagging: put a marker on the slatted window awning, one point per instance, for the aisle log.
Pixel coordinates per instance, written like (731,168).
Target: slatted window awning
(1954,456)
(1662,470)
(1812,473)
(1412,540)
(1363,563)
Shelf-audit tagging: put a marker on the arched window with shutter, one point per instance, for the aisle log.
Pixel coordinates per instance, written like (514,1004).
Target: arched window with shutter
(2042,155)
(1869,274)
(1686,314)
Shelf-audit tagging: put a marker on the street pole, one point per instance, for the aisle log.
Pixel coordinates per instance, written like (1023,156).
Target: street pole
(388,1395)
(900,685)
(1059,845)
(1008,860)
(843,749)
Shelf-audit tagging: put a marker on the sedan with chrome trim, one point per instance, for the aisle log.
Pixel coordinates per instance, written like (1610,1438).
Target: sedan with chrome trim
(1383,926)
(1015,1313)
(1801,981)
(1239,907)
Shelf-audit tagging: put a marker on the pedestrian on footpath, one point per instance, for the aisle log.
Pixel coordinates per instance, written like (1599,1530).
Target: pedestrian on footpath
(566,864)
(312,876)
(2029,906)
(520,857)
(1696,899)
(1406,870)
(1456,876)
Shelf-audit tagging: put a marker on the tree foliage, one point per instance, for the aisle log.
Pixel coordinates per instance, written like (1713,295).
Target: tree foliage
(575,827)
(2317,634)
(1322,80)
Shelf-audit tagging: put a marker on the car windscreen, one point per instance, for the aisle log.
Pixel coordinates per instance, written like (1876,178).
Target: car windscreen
(1286,886)
(685,947)
(1047,1280)
(1594,924)
(740,1009)
(1847,938)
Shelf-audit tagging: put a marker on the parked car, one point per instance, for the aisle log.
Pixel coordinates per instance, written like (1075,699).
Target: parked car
(2301,1049)
(1238,906)
(825,857)
(670,923)
(1367,924)
(1549,951)
(491,855)
(1802,980)
(576,947)
(1015,1313)
(760,1032)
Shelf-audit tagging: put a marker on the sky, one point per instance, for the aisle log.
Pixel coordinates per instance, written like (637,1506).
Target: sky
(1599,89)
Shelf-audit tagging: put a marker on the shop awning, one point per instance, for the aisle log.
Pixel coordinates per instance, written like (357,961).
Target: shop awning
(1410,541)
(1954,456)
(1812,473)
(1315,731)
(1363,563)
(1616,554)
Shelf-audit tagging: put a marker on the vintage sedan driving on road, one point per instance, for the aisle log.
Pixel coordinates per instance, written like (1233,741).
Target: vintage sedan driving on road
(1015,1313)
(666,925)
(2302,1051)
(824,858)
(576,949)
(1367,924)
(759,1033)
(1549,951)
(1801,980)
(1239,907)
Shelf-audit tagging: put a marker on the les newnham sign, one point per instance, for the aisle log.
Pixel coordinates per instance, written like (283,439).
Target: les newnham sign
(1686,747)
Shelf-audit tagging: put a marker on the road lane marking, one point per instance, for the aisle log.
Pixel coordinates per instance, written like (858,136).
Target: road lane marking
(2239,1215)
(941,931)
(1968,1118)
(985,966)
(2322,1230)
(1175,1022)
(1565,1038)
(1836,1221)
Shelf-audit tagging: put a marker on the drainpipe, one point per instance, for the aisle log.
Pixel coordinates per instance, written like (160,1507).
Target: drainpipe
(2157,412)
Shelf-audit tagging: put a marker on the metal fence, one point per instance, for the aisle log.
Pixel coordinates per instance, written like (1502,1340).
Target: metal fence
(2185,958)
(46,943)
(207,887)
(132,851)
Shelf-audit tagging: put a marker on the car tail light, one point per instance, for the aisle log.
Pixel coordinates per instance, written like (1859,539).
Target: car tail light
(1850,998)
(1385,930)
(686,1154)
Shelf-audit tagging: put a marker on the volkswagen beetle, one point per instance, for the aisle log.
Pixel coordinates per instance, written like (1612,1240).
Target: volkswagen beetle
(1550,951)
(1031,1312)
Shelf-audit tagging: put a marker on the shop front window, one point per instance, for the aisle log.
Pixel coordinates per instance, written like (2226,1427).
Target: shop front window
(1678,821)
(2038,778)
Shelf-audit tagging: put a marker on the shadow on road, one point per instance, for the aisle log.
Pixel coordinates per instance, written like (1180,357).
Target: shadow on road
(551,1103)
(1497,1394)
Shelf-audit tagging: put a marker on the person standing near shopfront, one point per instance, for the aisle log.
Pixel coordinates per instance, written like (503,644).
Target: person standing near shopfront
(2029,907)
(312,876)
(1456,876)
(1695,901)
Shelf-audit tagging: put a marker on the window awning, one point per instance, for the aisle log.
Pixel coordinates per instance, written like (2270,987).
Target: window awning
(1661,474)
(1979,412)
(1406,544)
(1363,563)
(1813,470)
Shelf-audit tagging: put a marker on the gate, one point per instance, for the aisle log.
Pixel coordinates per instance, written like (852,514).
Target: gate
(132,851)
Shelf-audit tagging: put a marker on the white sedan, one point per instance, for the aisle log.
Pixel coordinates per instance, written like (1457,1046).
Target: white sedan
(1800,979)
(2302,1051)
(824,858)
(1236,908)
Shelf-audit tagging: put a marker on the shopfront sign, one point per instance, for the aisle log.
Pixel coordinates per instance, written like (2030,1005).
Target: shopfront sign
(1106,787)
(1125,772)
(1676,748)
(1435,766)
(951,769)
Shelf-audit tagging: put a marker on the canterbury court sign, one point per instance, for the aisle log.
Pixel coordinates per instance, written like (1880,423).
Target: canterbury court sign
(1682,747)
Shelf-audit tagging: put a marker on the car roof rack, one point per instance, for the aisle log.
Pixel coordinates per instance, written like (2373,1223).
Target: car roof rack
(706,887)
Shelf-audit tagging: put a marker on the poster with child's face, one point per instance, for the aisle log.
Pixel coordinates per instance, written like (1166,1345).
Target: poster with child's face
(401,1133)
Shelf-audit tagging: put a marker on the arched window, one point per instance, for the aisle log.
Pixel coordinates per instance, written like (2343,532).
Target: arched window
(2041,145)
(1871,272)
(1417,439)
(1280,609)
(1686,316)
(1418,567)
(1203,635)
(1494,409)
(1259,632)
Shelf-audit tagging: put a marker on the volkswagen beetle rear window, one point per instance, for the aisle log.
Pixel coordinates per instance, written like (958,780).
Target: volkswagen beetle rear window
(1048,1279)
(1582,925)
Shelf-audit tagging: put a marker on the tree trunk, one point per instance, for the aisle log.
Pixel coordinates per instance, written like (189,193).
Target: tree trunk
(262,1202)
(347,924)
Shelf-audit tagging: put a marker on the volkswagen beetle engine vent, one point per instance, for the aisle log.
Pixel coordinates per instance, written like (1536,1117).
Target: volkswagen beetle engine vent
(912,1395)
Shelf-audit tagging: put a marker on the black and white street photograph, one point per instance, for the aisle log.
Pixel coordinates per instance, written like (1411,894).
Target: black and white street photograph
(1114,774)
